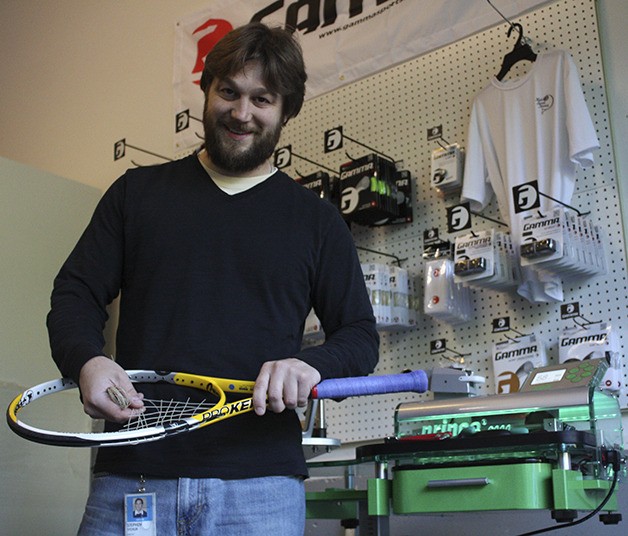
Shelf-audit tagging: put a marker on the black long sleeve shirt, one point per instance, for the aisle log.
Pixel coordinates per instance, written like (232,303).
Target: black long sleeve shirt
(213,284)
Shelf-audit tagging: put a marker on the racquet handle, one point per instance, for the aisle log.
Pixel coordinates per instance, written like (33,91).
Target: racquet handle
(415,380)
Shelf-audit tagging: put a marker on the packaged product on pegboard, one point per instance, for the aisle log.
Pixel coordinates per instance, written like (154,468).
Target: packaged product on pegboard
(514,359)
(595,341)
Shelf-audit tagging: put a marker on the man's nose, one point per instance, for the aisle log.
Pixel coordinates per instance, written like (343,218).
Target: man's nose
(241,110)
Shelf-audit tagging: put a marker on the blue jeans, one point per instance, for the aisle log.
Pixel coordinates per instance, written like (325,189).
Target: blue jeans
(269,506)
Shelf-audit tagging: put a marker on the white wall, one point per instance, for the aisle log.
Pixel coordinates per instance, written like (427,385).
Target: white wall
(612,17)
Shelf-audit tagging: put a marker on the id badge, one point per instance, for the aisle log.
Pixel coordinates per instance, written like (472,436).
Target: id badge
(140,517)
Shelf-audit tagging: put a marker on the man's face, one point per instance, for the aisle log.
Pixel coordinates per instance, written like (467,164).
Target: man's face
(242,121)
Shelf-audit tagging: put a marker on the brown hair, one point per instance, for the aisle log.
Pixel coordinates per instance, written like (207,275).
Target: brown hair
(278,53)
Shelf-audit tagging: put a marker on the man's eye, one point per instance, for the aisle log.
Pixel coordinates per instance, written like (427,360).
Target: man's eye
(264,100)
(227,92)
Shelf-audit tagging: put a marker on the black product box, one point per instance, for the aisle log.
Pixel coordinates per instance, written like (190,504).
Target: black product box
(317,182)
(403,198)
(366,190)
(323,184)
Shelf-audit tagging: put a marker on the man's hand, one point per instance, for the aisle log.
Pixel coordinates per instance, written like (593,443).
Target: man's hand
(99,374)
(285,383)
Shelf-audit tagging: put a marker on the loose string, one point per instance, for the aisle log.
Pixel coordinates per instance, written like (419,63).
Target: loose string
(161,412)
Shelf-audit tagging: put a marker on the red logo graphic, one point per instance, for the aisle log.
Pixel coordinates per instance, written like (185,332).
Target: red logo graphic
(218,29)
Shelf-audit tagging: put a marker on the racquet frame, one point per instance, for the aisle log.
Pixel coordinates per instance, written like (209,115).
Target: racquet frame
(220,410)
(177,417)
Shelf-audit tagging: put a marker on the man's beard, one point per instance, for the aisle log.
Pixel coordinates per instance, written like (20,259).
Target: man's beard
(225,154)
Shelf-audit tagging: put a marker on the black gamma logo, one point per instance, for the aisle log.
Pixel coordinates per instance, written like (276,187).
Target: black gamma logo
(526,196)
(458,218)
(333,139)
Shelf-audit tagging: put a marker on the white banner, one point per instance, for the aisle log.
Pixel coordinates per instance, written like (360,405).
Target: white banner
(343,40)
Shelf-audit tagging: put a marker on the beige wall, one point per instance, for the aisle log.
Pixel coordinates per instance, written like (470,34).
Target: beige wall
(78,75)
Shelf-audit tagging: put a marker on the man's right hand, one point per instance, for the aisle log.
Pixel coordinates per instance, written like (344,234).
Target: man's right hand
(99,374)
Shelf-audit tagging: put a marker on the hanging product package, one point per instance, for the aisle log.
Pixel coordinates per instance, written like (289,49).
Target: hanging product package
(447,169)
(514,359)
(368,192)
(595,341)
(444,298)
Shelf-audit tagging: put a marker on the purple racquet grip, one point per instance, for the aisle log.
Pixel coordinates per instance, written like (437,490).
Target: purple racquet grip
(372,385)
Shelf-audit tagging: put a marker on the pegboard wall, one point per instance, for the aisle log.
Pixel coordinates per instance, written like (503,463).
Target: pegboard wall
(391,112)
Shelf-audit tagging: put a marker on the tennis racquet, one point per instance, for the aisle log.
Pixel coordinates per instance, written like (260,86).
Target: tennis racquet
(164,418)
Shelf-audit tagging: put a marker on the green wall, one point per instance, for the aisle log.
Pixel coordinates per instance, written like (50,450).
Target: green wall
(42,489)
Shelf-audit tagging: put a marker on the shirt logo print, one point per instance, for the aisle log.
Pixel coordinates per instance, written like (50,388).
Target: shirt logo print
(545,103)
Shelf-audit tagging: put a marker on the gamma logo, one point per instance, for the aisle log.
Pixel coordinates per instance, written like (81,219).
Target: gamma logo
(438,346)
(333,139)
(501,324)
(211,31)
(283,157)
(458,218)
(509,383)
(526,196)
(317,15)
(569,310)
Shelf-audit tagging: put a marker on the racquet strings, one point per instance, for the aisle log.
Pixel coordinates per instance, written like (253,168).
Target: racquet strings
(163,412)
(158,412)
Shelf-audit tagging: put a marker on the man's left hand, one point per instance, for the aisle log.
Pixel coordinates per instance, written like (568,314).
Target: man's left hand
(284,384)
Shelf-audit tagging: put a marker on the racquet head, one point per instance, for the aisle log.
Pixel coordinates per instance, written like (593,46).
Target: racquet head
(199,401)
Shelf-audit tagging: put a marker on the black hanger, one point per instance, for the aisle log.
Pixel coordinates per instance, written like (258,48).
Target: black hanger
(521,51)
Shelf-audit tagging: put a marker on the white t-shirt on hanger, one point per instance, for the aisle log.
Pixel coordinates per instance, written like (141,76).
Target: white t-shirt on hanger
(536,127)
